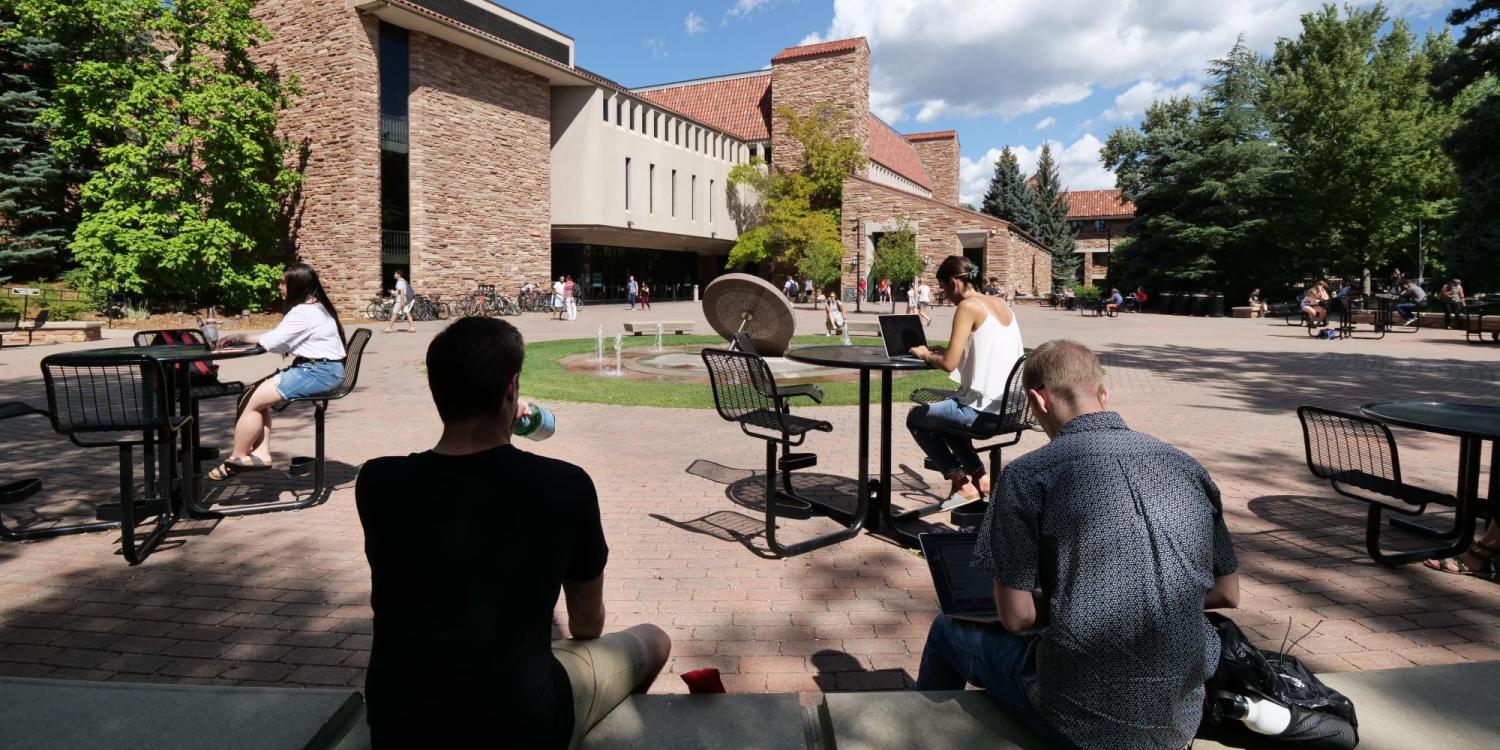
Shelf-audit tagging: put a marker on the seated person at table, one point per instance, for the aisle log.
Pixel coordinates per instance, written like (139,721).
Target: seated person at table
(1106,545)
(468,545)
(311,333)
(1452,297)
(1415,298)
(1312,304)
(982,348)
(1114,301)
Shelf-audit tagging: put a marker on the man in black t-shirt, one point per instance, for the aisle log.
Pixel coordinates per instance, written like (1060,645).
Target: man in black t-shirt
(469,544)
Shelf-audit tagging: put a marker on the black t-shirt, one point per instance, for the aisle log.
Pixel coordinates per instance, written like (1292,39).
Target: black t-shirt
(467,558)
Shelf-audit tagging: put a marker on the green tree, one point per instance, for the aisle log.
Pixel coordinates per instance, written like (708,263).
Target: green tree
(896,255)
(1468,80)
(1362,131)
(36,219)
(1010,196)
(192,174)
(800,209)
(1052,227)
(1144,161)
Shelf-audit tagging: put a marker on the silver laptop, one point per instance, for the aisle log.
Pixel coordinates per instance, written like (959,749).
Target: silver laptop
(901,333)
(963,592)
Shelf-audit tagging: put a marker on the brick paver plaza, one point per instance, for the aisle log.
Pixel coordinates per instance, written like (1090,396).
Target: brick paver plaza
(284,598)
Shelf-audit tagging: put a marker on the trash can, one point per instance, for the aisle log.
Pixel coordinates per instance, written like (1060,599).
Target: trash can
(1182,304)
(1200,305)
(1216,305)
(1164,302)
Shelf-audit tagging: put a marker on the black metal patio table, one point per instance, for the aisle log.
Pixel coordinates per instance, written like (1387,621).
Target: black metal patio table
(179,356)
(1472,424)
(878,516)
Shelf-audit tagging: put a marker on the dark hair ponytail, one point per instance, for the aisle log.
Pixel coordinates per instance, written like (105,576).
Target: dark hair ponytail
(960,268)
(303,282)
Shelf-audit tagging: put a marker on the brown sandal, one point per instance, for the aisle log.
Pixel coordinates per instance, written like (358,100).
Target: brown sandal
(1457,567)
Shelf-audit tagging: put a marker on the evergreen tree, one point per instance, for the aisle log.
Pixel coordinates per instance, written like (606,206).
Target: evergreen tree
(1144,161)
(1009,196)
(1051,224)
(35,216)
(1469,81)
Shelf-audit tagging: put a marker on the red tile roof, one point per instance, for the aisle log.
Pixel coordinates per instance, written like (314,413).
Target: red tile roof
(738,106)
(1094,204)
(936,135)
(822,48)
(895,153)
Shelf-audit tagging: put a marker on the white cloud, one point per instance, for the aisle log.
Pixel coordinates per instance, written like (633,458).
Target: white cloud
(1077,164)
(744,8)
(658,48)
(1045,123)
(693,24)
(1134,100)
(1020,56)
(931,110)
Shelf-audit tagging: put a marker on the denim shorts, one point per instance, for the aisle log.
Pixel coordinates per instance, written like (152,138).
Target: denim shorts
(309,379)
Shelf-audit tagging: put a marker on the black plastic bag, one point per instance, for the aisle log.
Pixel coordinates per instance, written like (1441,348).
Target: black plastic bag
(1322,717)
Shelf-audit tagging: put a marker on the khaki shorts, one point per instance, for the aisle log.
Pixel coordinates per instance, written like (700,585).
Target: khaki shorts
(603,673)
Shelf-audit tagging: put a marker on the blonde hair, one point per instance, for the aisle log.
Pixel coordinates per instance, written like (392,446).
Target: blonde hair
(1066,369)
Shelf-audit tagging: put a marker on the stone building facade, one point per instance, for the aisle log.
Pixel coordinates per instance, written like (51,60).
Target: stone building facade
(457,141)
(1100,219)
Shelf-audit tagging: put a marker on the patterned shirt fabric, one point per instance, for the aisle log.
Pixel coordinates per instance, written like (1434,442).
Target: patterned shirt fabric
(1125,535)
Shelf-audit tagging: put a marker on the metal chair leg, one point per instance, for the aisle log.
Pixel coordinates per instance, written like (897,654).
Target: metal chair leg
(772,494)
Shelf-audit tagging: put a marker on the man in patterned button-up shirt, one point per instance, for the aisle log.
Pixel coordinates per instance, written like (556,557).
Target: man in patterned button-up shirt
(1106,545)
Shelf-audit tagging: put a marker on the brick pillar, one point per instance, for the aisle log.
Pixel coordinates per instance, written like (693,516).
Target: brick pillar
(939,155)
(835,73)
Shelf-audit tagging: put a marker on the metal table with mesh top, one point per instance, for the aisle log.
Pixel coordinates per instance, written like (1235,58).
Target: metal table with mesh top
(866,359)
(178,357)
(1472,424)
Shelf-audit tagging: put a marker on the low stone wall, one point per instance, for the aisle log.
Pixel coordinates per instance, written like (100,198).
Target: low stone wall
(55,333)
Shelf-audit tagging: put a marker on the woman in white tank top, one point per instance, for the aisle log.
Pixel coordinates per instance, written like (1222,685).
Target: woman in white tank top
(982,348)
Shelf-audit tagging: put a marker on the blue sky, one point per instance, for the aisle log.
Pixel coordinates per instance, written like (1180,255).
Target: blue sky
(1000,72)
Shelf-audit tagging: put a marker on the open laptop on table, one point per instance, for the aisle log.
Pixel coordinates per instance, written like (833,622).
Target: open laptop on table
(963,592)
(901,333)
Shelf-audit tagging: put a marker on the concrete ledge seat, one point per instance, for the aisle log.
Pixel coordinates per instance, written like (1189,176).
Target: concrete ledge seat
(678,327)
(1449,706)
(41,713)
(70,331)
(862,327)
(1244,312)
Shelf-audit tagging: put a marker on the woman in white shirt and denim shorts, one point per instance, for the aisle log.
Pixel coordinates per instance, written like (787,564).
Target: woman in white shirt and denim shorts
(310,331)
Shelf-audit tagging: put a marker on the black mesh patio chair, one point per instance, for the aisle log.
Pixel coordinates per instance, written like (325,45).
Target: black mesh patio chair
(1006,427)
(743,343)
(1475,314)
(121,402)
(10,322)
(37,323)
(745,393)
(1357,455)
(16,490)
(354,351)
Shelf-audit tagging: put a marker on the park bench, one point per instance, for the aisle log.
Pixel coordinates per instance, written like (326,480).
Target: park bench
(678,327)
(863,327)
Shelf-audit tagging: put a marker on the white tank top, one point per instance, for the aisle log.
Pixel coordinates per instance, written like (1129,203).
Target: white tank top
(987,361)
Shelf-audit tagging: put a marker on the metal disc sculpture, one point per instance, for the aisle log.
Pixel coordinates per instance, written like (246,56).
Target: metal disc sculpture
(741,303)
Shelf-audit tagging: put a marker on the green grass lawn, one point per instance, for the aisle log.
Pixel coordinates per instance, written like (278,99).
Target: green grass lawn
(544,380)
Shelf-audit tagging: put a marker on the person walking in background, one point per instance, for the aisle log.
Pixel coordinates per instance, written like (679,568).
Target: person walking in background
(833,314)
(1452,297)
(632,292)
(1416,297)
(807,292)
(570,300)
(924,300)
(402,304)
(311,333)
(558,305)
(864,288)
(646,296)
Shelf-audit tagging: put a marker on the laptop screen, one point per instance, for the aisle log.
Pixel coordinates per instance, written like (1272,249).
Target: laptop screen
(901,333)
(960,588)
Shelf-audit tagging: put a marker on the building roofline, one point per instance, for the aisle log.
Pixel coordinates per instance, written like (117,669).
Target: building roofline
(955,207)
(829,47)
(934,135)
(705,79)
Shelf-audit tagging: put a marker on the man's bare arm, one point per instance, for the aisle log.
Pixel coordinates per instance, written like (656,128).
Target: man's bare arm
(1018,609)
(585,607)
(1225,594)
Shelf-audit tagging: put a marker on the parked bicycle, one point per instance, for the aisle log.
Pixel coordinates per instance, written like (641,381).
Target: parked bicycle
(429,308)
(484,300)
(379,307)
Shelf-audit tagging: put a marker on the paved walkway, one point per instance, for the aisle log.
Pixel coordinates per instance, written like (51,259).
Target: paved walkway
(284,598)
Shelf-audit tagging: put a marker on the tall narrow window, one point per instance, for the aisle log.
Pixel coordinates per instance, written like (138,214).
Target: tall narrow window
(693,199)
(651,189)
(674,193)
(710,201)
(632,117)
(656,125)
(605,99)
(627,183)
(619,111)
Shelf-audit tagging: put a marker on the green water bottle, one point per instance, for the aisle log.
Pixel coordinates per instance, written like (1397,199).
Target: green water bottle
(537,425)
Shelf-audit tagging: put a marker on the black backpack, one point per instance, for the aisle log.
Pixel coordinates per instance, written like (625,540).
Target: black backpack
(1322,717)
